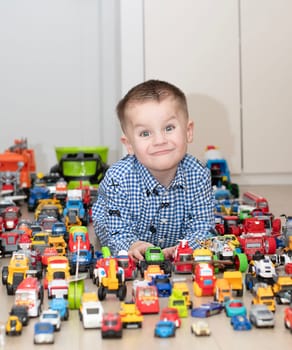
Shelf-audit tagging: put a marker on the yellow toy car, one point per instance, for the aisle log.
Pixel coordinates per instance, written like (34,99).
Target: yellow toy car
(13,326)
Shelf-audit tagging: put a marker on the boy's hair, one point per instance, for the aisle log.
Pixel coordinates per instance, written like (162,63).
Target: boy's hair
(151,90)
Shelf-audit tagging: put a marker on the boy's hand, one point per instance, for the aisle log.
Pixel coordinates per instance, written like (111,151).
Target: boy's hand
(137,250)
(169,252)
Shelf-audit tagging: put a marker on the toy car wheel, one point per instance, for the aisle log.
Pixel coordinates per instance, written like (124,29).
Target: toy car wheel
(75,291)
(66,316)
(10,289)
(101,293)
(197,290)
(122,292)
(240,262)
(90,272)
(270,245)
(4,274)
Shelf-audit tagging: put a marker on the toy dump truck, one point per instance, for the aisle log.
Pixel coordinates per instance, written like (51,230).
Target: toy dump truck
(235,280)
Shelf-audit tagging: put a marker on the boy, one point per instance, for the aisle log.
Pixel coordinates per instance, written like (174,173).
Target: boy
(158,194)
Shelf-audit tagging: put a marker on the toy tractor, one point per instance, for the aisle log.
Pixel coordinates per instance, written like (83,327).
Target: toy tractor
(110,279)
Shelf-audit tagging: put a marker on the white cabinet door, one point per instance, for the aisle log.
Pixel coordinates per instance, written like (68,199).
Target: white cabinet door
(194,44)
(266,32)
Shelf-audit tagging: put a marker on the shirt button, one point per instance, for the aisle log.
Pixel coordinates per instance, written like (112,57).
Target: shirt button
(163,221)
(161,240)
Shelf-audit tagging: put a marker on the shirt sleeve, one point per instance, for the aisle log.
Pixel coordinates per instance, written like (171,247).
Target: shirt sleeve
(111,215)
(201,219)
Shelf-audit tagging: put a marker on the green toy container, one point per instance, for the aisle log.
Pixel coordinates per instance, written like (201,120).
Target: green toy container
(102,151)
(81,164)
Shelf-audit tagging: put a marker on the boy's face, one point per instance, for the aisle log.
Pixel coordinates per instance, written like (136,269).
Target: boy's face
(158,134)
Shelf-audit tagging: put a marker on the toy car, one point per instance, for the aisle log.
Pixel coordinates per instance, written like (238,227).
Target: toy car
(234,307)
(111,326)
(171,314)
(21,312)
(240,323)
(43,333)
(164,329)
(200,328)
(260,316)
(130,315)
(207,309)
(288,318)
(13,326)
(53,317)
(60,305)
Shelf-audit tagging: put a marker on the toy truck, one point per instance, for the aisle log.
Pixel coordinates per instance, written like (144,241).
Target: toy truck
(57,277)
(131,316)
(155,256)
(163,285)
(263,294)
(223,290)
(261,269)
(90,311)
(282,289)
(235,280)
(177,300)
(228,224)
(30,293)
(183,258)
(180,285)
(110,278)
(204,279)
(220,173)
(17,168)
(15,272)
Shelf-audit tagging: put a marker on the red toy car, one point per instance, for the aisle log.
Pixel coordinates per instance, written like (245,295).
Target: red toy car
(288,318)
(171,314)
(111,326)
(11,217)
(146,299)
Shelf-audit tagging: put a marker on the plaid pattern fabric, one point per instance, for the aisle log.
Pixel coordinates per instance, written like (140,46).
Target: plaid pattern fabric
(131,206)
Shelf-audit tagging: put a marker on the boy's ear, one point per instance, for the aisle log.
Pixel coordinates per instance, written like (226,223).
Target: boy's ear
(190,131)
(127,144)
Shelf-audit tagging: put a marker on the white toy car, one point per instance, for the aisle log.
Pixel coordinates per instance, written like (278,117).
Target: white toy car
(53,317)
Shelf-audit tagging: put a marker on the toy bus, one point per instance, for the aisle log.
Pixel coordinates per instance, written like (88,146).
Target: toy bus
(255,201)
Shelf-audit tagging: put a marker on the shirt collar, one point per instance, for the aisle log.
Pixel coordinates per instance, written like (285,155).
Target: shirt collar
(153,186)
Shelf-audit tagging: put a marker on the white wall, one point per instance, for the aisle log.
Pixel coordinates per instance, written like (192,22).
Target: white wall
(60,75)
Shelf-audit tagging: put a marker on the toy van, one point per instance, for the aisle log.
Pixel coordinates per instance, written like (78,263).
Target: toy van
(30,293)
(90,311)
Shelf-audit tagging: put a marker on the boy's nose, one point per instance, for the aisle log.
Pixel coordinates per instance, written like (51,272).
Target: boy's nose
(159,138)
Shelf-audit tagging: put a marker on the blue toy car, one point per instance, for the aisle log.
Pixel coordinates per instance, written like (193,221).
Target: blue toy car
(163,285)
(59,229)
(234,307)
(61,305)
(43,333)
(35,194)
(240,323)
(165,329)
(85,259)
(208,309)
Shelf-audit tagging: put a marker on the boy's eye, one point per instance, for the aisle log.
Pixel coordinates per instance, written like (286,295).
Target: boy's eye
(144,133)
(169,128)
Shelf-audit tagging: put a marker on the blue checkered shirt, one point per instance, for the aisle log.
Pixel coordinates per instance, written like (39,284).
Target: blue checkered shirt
(133,206)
